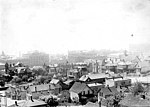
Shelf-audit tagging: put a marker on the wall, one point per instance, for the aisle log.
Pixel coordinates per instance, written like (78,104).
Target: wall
(74,95)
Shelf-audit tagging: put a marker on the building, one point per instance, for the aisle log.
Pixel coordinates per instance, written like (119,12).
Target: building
(36,58)
(95,87)
(78,90)
(32,59)
(107,92)
(118,81)
(94,78)
(73,73)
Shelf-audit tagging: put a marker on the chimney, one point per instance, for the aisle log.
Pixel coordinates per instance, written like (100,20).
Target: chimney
(99,103)
(16,103)
(32,99)
(109,88)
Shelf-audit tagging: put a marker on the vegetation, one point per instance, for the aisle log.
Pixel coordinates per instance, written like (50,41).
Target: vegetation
(52,102)
(137,89)
(39,71)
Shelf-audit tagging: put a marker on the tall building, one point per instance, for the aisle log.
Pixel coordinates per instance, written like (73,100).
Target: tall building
(35,58)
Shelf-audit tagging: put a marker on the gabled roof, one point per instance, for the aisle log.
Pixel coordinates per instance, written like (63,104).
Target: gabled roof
(54,81)
(93,76)
(109,90)
(105,90)
(78,87)
(113,90)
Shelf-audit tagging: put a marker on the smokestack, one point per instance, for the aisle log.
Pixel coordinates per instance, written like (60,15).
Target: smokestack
(16,103)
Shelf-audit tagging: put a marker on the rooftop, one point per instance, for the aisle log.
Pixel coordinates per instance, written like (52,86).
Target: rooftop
(94,84)
(54,81)
(78,87)
(93,76)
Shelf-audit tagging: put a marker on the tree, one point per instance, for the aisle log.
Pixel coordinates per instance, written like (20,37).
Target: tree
(39,71)
(2,83)
(6,67)
(11,73)
(65,95)
(16,80)
(42,79)
(25,78)
(52,102)
(137,89)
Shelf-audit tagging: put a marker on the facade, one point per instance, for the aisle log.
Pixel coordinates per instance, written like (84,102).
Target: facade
(118,82)
(95,87)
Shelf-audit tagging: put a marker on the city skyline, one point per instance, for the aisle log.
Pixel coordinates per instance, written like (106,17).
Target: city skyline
(54,26)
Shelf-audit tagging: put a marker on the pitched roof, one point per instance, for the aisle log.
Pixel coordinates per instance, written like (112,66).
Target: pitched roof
(113,90)
(54,81)
(94,84)
(93,76)
(109,90)
(105,90)
(78,87)
(68,82)
(84,78)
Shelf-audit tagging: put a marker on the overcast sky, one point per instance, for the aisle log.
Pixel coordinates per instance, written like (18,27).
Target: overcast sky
(56,26)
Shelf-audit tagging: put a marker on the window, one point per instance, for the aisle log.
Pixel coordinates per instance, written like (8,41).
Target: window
(83,92)
(101,94)
(71,73)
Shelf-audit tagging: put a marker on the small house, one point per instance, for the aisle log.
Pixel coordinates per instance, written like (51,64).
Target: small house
(78,90)
(95,87)
(118,82)
(73,73)
(57,82)
(107,92)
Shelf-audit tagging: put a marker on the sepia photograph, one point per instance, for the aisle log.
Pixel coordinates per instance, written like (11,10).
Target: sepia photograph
(74,53)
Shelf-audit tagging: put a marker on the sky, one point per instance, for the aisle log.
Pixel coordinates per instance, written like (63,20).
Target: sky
(57,26)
